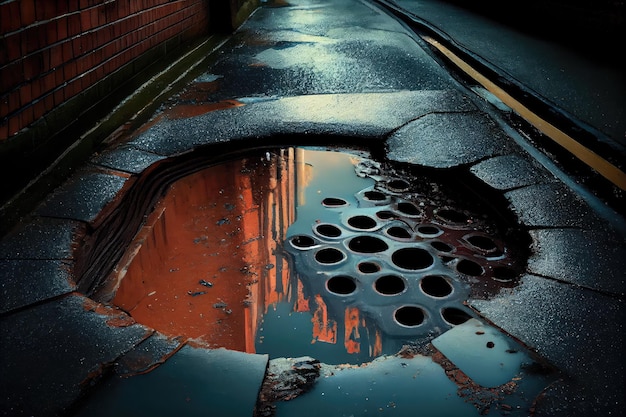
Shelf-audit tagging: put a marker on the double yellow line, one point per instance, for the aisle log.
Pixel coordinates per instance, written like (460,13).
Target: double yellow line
(593,160)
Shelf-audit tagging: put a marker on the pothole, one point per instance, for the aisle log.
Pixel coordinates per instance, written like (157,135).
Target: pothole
(271,254)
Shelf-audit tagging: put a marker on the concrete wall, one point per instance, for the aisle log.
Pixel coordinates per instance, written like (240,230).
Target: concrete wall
(60,60)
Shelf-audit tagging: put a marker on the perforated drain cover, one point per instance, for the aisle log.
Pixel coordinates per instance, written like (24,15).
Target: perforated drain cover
(403,251)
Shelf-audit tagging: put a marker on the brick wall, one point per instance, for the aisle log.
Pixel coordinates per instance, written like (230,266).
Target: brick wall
(51,50)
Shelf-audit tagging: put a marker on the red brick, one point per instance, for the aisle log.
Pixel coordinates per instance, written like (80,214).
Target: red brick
(68,52)
(4,106)
(32,66)
(59,96)
(27,12)
(85,20)
(4,131)
(69,70)
(52,33)
(11,76)
(30,40)
(25,94)
(14,125)
(56,56)
(48,102)
(39,108)
(61,27)
(50,9)
(73,24)
(9,17)
(14,101)
(49,82)
(62,7)
(73,5)
(27,117)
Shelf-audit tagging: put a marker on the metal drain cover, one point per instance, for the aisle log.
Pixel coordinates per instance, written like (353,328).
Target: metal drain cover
(398,254)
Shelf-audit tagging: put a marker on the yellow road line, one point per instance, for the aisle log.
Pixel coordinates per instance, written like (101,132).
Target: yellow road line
(599,164)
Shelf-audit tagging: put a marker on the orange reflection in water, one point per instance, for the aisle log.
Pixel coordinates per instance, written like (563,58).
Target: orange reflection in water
(208,264)
(195,267)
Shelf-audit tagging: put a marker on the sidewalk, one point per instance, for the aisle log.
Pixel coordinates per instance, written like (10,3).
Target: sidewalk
(331,73)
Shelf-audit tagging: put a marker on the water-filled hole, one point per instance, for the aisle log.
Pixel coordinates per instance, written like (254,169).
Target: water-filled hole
(398,184)
(399,232)
(504,274)
(367,244)
(368,267)
(389,285)
(329,256)
(442,246)
(334,202)
(428,230)
(362,222)
(412,258)
(408,208)
(452,216)
(409,316)
(342,285)
(455,316)
(374,196)
(302,241)
(328,230)
(385,215)
(436,286)
(467,267)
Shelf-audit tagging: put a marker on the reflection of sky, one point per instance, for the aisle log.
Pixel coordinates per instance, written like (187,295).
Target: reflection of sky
(314,56)
(331,175)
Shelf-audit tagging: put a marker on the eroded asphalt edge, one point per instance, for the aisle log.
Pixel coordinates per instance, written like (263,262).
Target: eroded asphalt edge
(56,341)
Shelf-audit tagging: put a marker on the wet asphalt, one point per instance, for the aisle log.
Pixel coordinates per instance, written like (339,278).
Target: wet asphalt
(322,73)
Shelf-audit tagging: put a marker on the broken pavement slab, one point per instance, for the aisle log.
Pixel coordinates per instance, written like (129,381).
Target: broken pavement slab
(52,352)
(192,382)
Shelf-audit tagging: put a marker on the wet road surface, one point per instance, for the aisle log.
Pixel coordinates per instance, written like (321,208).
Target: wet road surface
(305,74)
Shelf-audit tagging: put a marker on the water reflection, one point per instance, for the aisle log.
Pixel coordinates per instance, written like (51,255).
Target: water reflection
(298,252)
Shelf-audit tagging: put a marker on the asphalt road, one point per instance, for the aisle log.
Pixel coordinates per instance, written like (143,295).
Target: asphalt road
(323,73)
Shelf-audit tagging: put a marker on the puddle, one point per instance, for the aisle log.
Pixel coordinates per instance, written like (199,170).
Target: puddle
(331,255)
(352,257)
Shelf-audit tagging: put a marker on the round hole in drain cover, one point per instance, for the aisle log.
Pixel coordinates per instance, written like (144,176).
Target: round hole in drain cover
(389,285)
(302,241)
(398,184)
(362,222)
(374,196)
(341,285)
(412,258)
(455,316)
(399,232)
(328,230)
(329,256)
(482,244)
(334,202)
(409,316)
(428,230)
(385,215)
(442,246)
(467,267)
(368,267)
(367,244)
(408,209)
(436,286)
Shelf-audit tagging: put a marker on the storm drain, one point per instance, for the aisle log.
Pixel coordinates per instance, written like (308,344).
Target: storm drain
(402,252)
